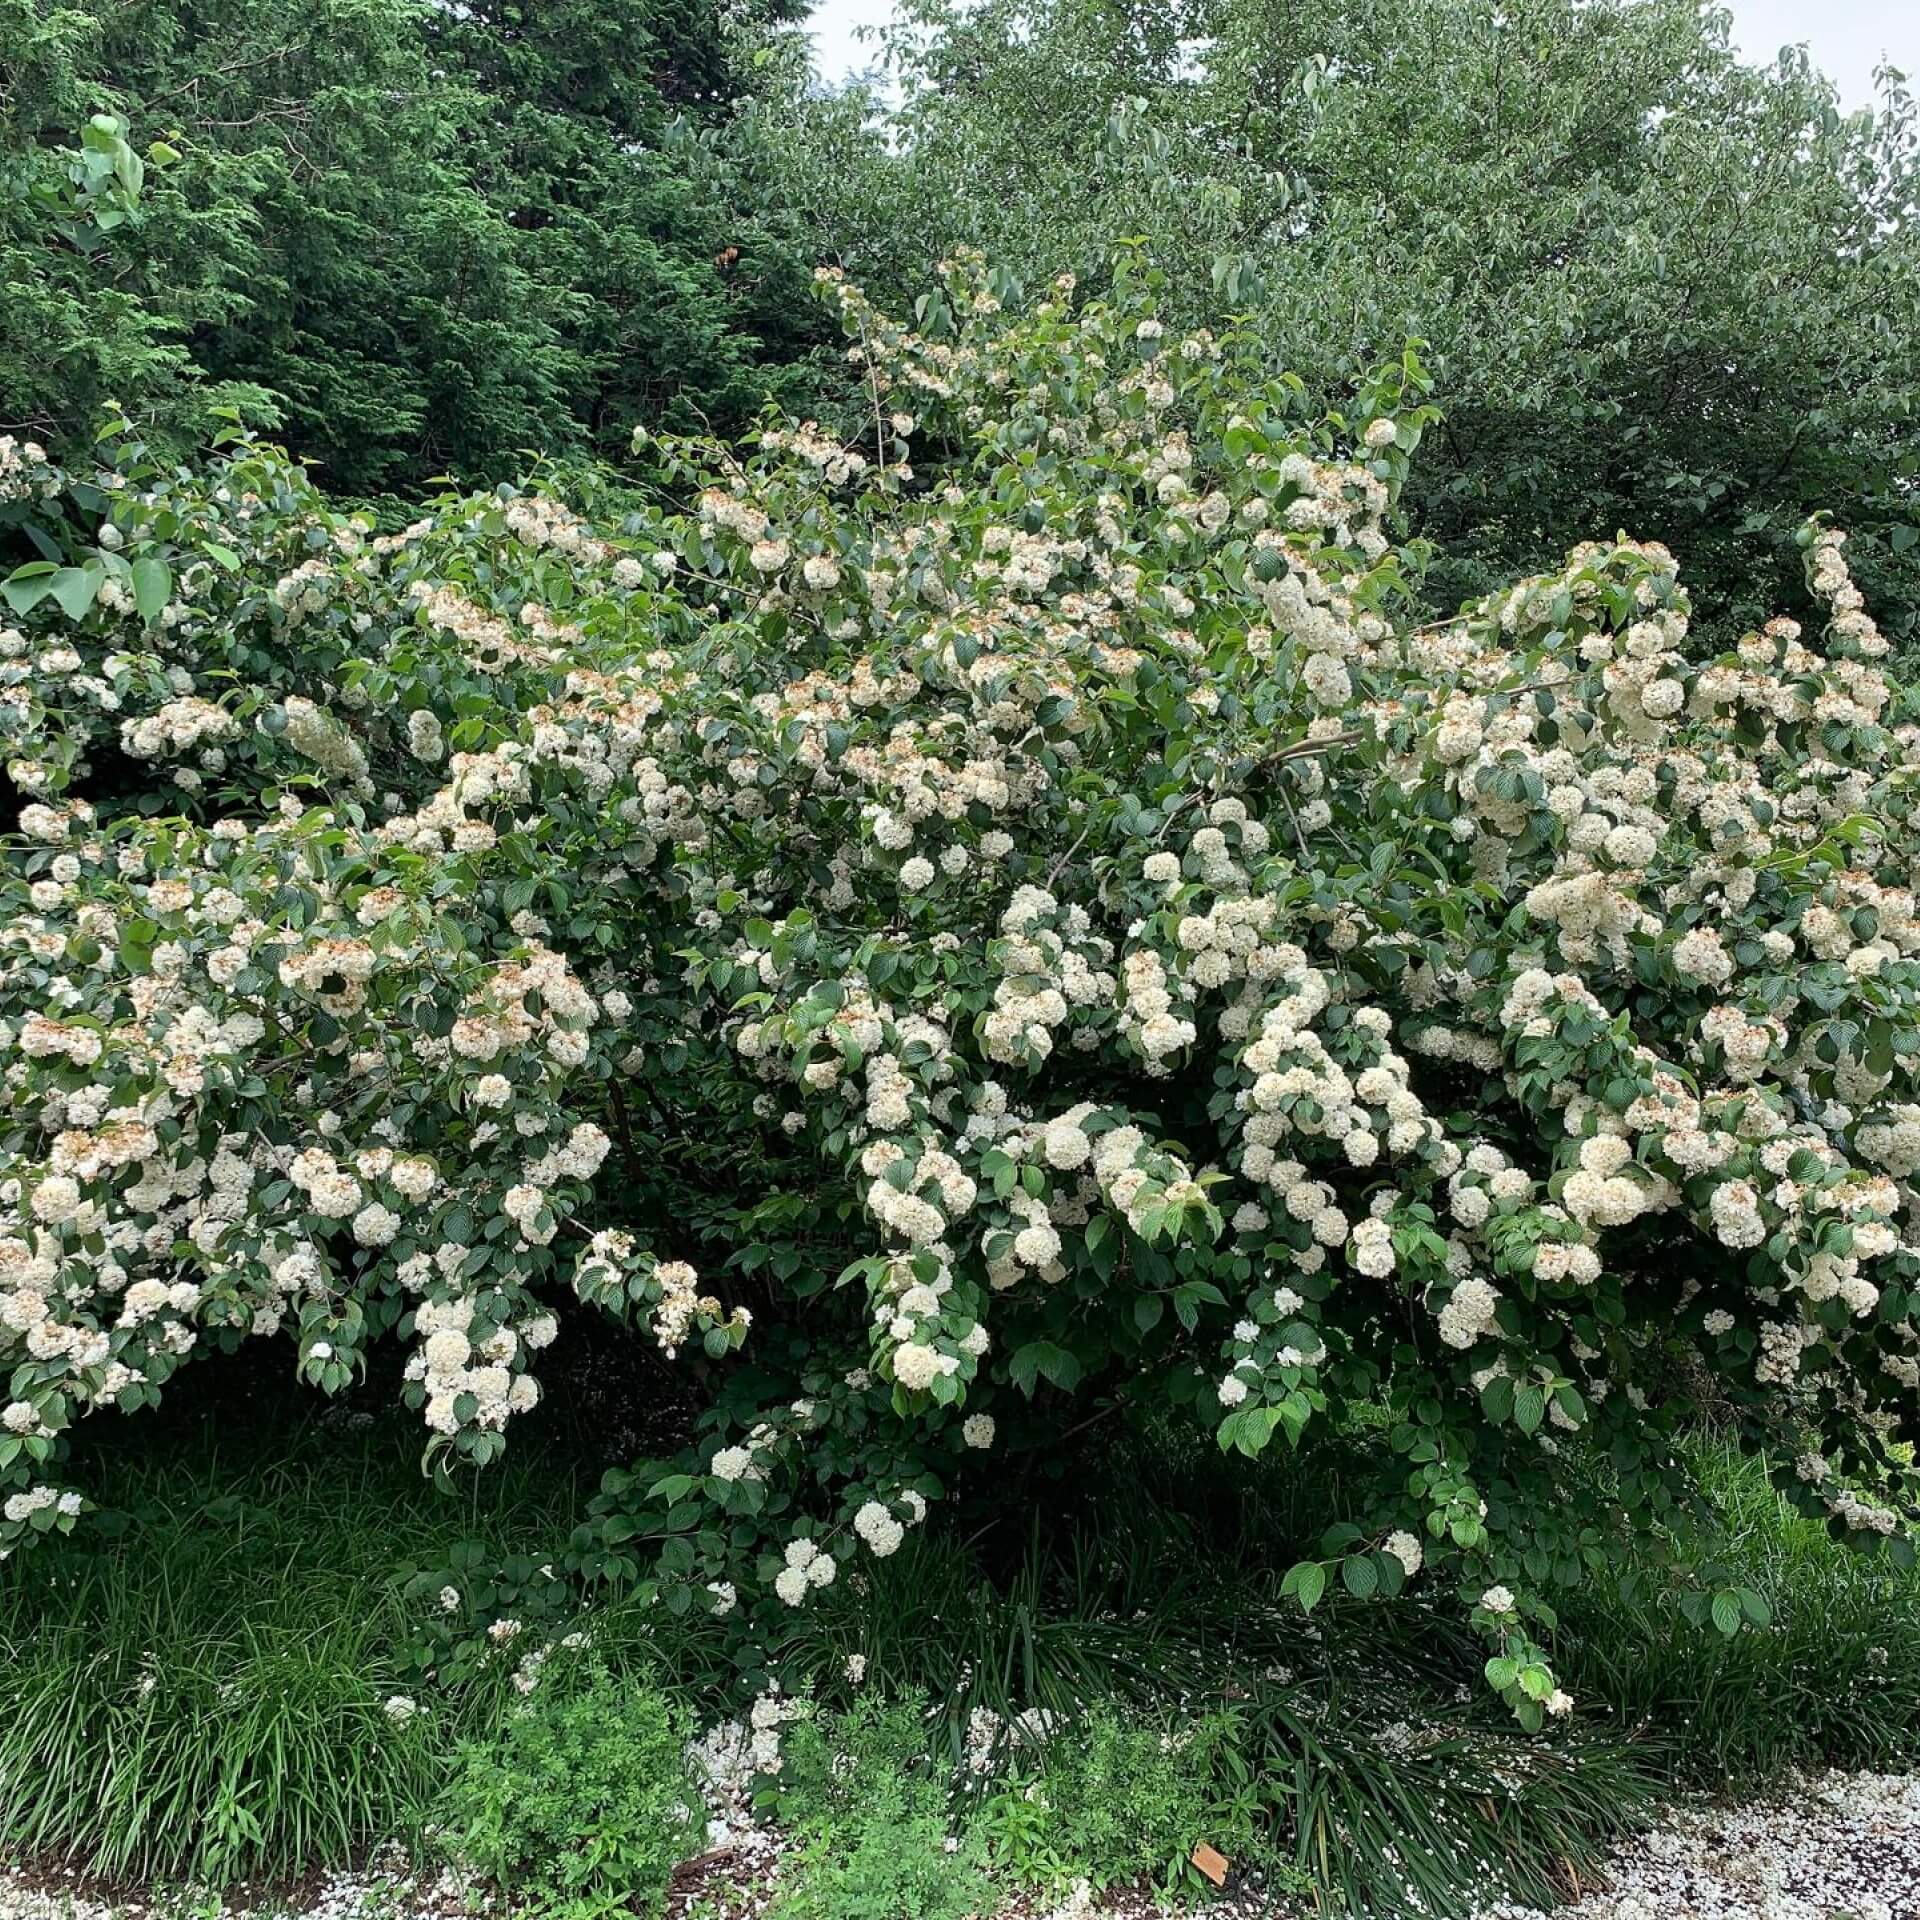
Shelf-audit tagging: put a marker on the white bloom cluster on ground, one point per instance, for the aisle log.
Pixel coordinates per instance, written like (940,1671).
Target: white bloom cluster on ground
(1013,891)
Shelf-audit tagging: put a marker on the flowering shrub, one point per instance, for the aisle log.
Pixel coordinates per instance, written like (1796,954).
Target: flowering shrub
(1012,900)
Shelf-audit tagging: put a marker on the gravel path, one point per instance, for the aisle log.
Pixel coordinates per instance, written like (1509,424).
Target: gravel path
(1839,1846)
(1844,1846)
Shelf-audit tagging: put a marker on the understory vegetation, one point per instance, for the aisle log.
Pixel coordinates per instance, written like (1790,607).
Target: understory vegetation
(200,1685)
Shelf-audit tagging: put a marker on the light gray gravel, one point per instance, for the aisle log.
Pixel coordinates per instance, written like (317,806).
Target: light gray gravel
(1839,1846)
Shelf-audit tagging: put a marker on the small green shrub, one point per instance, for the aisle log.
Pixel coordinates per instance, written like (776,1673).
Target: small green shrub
(896,1865)
(1118,1800)
(836,1767)
(582,1802)
(872,1813)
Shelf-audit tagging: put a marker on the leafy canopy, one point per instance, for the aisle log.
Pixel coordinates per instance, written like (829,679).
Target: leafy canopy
(1663,289)
(413,239)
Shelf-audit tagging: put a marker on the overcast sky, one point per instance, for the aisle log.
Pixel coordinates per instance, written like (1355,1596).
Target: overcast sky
(1848,38)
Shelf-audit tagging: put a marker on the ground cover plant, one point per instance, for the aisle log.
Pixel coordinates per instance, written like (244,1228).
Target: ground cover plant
(199,1686)
(584,1806)
(873,1817)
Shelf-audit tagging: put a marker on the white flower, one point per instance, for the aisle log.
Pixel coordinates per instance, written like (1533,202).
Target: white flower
(1407,1550)
(56,1198)
(879,1529)
(375,1225)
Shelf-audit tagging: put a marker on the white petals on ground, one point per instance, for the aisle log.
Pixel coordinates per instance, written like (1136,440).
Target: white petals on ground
(1839,1846)
(386,1887)
(1842,1846)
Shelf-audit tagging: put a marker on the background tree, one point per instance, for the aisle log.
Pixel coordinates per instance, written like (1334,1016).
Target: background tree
(1660,286)
(410,241)
(104,264)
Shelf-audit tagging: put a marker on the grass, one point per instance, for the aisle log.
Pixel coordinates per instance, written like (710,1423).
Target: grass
(195,1680)
(194,1683)
(1835,1678)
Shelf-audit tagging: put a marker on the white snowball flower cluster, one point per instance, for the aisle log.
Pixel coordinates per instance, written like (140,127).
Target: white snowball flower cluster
(806,1567)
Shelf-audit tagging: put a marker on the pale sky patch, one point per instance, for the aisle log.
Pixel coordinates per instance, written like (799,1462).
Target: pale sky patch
(1847,38)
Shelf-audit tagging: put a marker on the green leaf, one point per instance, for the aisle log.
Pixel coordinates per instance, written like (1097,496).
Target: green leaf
(76,589)
(152,585)
(1040,1359)
(1305,1582)
(25,587)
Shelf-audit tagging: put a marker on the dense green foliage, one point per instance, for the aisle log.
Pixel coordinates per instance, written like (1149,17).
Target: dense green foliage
(580,1801)
(1663,290)
(412,239)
